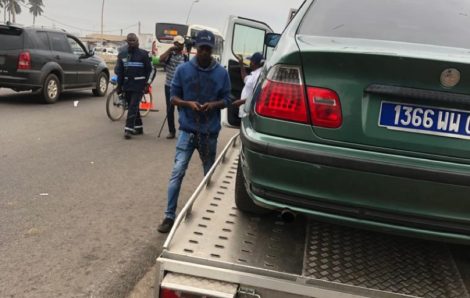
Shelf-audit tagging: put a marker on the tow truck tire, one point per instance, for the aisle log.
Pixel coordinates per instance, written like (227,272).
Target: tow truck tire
(242,199)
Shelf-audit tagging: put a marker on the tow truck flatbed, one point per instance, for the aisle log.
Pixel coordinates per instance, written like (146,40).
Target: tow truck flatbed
(253,256)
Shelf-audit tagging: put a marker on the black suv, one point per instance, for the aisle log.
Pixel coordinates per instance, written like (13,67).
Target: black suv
(48,62)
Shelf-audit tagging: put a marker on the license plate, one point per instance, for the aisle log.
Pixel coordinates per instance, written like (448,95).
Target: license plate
(425,120)
(2,60)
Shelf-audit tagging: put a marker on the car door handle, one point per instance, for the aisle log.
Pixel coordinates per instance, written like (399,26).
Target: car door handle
(57,57)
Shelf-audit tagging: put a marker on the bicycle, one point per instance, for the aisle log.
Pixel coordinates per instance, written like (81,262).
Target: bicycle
(116,104)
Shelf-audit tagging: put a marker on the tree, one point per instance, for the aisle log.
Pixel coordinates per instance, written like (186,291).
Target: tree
(36,9)
(3,4)
(14,8)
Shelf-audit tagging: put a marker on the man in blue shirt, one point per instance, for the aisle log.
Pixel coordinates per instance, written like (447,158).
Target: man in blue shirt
(200,89)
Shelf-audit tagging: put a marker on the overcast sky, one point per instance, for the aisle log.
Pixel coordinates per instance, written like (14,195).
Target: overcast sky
(84,16)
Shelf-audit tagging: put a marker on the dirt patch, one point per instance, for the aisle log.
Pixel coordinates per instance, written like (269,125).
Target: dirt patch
(145,288)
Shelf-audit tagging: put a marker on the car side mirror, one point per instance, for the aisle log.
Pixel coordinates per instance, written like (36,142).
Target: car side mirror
(272,39)
(91,53)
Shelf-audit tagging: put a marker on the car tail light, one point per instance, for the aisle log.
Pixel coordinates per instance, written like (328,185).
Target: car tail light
(24,60)
(283,95)
(325,107)
(168,293)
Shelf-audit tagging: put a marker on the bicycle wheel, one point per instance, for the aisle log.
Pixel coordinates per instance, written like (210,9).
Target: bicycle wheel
(146,104)
(114,106)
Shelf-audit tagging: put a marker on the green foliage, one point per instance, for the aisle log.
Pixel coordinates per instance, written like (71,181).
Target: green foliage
(36,7)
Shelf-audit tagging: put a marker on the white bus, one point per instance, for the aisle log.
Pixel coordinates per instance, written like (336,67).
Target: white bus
(165,32)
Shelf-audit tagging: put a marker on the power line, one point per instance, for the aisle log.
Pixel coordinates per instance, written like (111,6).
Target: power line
(78,28)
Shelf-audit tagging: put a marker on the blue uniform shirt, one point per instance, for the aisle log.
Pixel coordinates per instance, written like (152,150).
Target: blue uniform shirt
(133,70)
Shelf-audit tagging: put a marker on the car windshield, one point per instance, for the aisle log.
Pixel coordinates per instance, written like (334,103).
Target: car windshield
(434,22)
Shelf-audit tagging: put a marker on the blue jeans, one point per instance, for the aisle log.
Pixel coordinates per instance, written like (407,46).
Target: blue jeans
(185,146)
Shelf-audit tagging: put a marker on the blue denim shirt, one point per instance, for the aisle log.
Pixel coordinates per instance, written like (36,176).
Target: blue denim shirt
(193,83)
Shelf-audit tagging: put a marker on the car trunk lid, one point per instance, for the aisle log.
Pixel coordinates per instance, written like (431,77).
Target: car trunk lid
(392,94)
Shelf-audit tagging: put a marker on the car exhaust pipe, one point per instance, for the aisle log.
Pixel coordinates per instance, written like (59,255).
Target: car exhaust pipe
(287,215)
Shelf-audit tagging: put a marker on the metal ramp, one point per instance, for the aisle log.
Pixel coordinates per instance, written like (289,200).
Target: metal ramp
(216,235)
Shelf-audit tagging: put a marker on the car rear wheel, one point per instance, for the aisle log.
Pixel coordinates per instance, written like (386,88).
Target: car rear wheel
(51,89)
(101,85)
(242,199)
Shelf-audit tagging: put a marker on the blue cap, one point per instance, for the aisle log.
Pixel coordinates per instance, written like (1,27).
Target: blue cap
(205,38)
(256,58)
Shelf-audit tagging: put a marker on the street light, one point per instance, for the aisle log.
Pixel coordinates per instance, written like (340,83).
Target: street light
(191,8)
(102,21)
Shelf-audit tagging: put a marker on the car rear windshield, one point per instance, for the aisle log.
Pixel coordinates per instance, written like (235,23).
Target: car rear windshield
(11,38)
(435,22)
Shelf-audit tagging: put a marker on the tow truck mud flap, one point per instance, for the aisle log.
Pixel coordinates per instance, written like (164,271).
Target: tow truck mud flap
(381,262)
(200,286)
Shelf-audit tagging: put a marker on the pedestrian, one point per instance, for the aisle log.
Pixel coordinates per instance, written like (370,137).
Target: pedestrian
(172,58)
(133,70)
(200,89)
(256,64)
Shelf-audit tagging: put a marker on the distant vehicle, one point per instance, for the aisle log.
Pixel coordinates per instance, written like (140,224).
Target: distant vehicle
(145,41)
(48,61)
(165,32)
(110,51)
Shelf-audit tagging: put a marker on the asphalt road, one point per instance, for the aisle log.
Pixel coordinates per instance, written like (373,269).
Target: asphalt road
(79,205)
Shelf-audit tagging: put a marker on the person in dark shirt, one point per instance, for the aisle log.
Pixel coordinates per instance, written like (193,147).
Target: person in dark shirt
(172,58)
(133,70)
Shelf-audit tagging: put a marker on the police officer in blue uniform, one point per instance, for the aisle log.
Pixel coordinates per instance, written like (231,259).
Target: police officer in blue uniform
(133,70)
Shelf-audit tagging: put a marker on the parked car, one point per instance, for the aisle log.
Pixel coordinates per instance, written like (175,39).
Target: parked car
(362,117)
(48,62)
(110,51)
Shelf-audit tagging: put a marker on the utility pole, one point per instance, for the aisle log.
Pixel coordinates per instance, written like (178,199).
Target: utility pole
(102,21)
(190,9)
(139,28)
(121,32)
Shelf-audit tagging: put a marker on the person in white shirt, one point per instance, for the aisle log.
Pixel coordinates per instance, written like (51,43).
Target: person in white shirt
(256,63)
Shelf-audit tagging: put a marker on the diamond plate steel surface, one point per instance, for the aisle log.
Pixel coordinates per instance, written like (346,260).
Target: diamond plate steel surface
(381,262)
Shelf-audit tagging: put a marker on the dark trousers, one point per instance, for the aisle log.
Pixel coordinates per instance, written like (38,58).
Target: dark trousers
(170,111)
(134,122)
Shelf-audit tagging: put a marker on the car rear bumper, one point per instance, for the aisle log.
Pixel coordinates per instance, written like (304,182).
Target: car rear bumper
(381,191)
(22,80)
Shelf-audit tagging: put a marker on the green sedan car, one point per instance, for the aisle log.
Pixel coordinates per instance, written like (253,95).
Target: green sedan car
(361,117)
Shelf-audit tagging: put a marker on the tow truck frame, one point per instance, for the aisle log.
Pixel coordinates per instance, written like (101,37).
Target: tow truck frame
(214,250)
